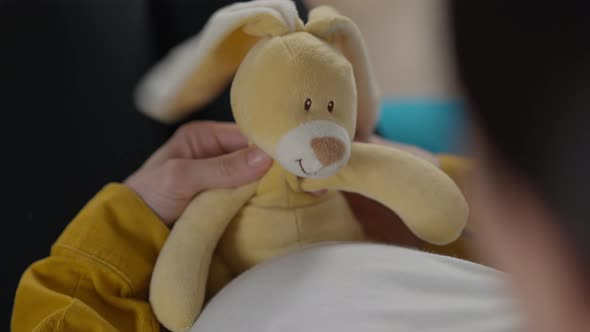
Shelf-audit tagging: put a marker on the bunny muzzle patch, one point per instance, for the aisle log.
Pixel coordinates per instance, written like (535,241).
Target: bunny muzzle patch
(314,149)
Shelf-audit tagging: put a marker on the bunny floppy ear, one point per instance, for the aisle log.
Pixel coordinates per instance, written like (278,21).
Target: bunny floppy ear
(198,70)
(327,24)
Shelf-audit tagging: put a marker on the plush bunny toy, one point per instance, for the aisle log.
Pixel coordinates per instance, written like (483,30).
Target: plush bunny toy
(300,93)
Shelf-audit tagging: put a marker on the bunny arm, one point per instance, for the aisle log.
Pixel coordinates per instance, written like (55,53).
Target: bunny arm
(179,278)
(423,196)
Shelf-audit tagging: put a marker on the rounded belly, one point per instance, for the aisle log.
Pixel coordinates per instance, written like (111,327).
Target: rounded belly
(260,233)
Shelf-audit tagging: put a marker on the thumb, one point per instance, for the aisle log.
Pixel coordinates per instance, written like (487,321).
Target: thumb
(230,170)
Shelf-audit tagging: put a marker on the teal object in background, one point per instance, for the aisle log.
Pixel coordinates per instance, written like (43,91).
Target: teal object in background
(439,126)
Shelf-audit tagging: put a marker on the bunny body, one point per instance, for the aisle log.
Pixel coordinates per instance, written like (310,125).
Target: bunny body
(301,93)
(280,217)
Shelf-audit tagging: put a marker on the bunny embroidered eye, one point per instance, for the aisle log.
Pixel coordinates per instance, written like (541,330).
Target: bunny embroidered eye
(307,104)
(331,106)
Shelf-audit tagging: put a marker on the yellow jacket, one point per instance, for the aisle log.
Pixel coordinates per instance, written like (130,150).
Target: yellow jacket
(97,276)
(98,273)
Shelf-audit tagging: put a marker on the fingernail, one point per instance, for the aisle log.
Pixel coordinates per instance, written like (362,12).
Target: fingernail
(257,157)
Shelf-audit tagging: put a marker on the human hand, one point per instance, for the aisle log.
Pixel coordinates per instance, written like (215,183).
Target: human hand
(379,222)
(199,156)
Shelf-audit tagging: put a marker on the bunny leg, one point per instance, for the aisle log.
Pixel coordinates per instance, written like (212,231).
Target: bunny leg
(178,284)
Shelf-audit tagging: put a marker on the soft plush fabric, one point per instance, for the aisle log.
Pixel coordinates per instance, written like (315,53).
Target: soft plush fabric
(301,93)
(459,169)
(363,287)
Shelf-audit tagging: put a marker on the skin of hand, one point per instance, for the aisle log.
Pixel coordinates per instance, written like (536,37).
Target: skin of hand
(199,156)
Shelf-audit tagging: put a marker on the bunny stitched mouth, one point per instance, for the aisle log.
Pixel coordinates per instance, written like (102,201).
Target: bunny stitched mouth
(300,161)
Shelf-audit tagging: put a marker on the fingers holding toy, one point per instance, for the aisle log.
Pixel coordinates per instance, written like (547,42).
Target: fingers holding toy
(199,156)
(200,139)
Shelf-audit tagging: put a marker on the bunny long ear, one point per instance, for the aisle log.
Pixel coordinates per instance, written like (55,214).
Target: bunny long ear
(327,24)
(196,71)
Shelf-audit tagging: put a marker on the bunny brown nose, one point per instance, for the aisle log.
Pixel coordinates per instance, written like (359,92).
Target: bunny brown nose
(328,149)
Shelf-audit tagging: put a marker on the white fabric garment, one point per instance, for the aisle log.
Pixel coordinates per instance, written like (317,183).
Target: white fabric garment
(363,287)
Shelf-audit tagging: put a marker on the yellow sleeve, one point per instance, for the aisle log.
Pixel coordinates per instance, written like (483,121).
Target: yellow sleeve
(97,275)
(458,169)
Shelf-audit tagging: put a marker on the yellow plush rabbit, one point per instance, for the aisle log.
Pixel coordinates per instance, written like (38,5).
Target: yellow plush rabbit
(300,93)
